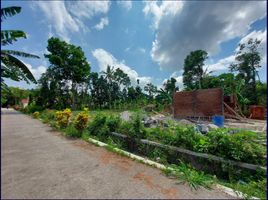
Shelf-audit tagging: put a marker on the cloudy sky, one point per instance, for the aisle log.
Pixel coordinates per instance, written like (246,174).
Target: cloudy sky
(148,40)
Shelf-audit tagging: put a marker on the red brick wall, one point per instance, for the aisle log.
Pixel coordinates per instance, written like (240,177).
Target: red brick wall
(199,103)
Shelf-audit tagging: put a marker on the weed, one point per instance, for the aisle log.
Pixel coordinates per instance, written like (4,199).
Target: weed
(187,174)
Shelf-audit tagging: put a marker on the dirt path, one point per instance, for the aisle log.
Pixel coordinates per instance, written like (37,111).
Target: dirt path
(40,163)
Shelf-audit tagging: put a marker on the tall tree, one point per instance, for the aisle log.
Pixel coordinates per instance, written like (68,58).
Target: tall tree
(193,69)
(109,77)
(12,67)
(151,89)
(68,69)
(247,62)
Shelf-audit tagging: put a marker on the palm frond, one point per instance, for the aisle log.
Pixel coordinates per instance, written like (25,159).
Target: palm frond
(19,53)
(9,12)
(4,86)
(9,36)
(10,61)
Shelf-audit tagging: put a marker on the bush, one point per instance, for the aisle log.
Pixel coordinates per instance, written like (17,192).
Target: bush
(125,128)
(71,131)
(239,146)
(48,115)
(98,126)
(36,114)
(33,108)
(138,131)
(63,117)
(81,120)
(113,122)
(187,137)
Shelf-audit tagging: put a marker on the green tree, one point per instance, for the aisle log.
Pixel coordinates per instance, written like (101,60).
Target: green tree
(151,89)
(165,95)
(193,69)
(261,89)
(12,67)
(247,62)
(68,70)
(170,86)
(99,90)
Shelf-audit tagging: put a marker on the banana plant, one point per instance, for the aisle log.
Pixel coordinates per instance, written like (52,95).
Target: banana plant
(11,66)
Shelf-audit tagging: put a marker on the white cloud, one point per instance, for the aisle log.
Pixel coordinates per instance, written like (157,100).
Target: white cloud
(105,58)
(166,9)
(127,49)
(179,80)
(260,35)
(142,50)
(66,17)
(103,22)
(88,9)
(186,26)
(224,64)
(125,4)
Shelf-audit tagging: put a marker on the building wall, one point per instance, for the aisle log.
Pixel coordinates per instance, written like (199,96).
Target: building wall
(199,103)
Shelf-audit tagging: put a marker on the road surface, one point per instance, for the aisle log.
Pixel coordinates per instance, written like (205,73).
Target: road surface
(38,162)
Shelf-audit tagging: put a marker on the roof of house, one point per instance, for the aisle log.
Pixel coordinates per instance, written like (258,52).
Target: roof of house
(25,101)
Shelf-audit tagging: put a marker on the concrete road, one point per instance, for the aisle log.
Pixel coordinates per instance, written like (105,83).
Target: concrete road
(40,163)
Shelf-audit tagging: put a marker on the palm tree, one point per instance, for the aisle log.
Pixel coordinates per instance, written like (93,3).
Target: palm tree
(109,76)
(12,67)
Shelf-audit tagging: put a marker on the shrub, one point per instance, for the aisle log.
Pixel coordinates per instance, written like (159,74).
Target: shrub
(63,117)
(186,137)
(166,136)
(239,146)
(125,127)
(32,108)
(71,131)
(98,126)
(81,120)
(113,122)
(48,115)
(138,131)
(36,114)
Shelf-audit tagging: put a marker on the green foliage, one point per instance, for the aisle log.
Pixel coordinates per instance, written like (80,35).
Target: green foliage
(261,89)
(68,65)
(12,67)
(33,108)
(63,117)
(98,126)
(187,174)
(251,189)
(193,69)
(36,114)
(81,120)
(71,131)
(240,146)
(9,12)
(247,62)
(113,122)
(137,131)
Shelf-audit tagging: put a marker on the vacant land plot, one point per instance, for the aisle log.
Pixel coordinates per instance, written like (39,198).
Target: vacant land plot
(39,163)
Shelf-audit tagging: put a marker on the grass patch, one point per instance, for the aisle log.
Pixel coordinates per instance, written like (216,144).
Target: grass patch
(250,189)
(186,174)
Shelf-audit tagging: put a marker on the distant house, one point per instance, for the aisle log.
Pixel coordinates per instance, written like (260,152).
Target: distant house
(24,102)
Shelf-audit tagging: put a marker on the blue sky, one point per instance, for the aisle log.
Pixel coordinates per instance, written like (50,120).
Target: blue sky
(148,40)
